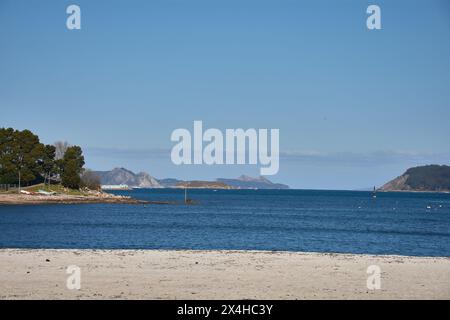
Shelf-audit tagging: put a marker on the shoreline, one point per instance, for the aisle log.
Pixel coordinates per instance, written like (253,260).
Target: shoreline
(262,251)
(416,191)
(218,274)
(24,199)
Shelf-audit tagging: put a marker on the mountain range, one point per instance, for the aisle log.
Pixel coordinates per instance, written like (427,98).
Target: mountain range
(122,176)
(422,178)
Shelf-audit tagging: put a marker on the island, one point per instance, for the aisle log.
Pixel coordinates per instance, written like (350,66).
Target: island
(124,179)
(197,184)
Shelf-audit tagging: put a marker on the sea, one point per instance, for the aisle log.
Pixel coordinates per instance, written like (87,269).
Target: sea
(397,223)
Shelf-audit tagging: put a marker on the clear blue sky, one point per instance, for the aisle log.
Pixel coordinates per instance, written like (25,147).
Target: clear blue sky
(354,107)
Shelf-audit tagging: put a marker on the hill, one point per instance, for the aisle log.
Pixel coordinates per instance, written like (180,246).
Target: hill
(246,182)
(202,185)
(169,182)
(120,176)
(423,178)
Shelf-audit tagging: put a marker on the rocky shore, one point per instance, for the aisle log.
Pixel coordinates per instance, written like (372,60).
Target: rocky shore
(16,199)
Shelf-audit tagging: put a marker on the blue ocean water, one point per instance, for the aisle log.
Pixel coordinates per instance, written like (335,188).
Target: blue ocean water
(291,220)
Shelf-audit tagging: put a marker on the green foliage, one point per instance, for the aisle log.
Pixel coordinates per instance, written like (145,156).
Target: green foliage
(48,165)
(432,177)
(24,159)
(72,167)
(70,177)
(21,156)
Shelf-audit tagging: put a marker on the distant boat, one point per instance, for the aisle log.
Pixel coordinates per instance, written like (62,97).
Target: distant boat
(374,194)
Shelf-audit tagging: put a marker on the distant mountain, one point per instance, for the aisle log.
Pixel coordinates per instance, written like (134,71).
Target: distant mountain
(122,176)
(196,184)
(169,182)
(246,182)
(424,178)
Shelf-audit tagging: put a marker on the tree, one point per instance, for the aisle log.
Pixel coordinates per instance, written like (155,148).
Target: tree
(71,176)
(90,180)
(60,149)
(20,156)
(48,164)
(7,169)
(27,152)
(72,167)
(23,158)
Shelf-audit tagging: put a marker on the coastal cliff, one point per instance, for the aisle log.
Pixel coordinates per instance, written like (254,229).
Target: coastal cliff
(432,178)
(122,176)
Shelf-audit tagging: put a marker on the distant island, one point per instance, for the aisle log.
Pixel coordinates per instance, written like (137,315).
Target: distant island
(199,184)
(431,178)
(246,182)
(122,176)
(126,178)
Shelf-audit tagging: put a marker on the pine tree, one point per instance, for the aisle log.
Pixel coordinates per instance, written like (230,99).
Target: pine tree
(72,167)
(20,156)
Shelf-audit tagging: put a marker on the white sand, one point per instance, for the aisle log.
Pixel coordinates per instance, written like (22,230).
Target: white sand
(151,274)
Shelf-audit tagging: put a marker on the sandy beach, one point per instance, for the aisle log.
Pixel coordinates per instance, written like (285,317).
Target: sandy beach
(155,274)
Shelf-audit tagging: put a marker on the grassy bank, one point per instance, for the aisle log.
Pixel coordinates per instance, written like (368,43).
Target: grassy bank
(58,188)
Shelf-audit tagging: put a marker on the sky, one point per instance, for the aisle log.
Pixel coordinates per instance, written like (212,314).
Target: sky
(355,107)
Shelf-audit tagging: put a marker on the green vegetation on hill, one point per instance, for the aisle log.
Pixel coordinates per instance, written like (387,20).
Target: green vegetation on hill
(432,177)
(24,160)
(424,178)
